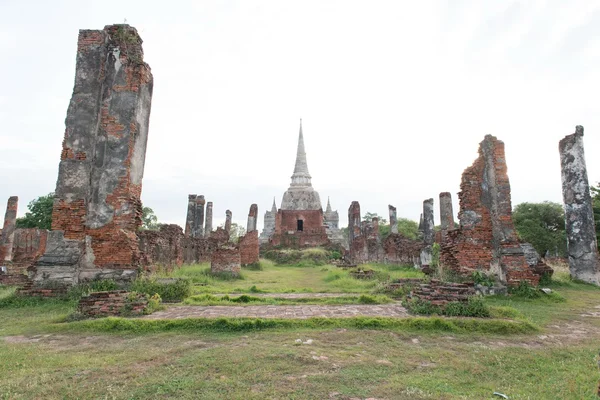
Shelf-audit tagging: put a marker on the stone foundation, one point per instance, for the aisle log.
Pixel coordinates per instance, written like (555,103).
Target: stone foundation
(441,293)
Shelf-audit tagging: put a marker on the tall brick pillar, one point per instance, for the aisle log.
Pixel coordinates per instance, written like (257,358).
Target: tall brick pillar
(209,219)
(579,215)
(190,219)
(228,221)
(354,220)
(446,213)
(393,219)
(428,233)
(252,217)
(97,208)
(198,231)
(8,230)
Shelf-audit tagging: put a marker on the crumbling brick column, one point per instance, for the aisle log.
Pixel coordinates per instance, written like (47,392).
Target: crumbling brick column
(228,221)
(209,219)
(8,230)
(428,233)
(579,215)
(190,219)
(249,248)
(97,208)
(198,231)
(446,214)
(354,221)
(252,218)
(487,240)
(393,219)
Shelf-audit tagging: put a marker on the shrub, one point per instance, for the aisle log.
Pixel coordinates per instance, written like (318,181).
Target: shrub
(253,267)
(254,289)
(524,290)
(171,290)
(481,278)
(473,308)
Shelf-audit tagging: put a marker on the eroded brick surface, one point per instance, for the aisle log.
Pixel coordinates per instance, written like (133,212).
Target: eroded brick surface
(8,230)
(486,240)
(226,259)
(97,197)
(249,248)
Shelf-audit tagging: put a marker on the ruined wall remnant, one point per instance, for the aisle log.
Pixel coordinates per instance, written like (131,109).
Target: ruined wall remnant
(446,214)
(579,216)
(428,233)
(398,249)
(252,218)
(249,248)
(228,222)
(97,209)
(226,259)
(393,219)
(359,252)
(487,240)
(163,247)
(354,221)
(198,230)
(190,219)
(209,219)
(8,231)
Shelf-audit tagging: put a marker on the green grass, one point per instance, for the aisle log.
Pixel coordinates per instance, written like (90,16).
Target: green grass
(286,279)
(246,358)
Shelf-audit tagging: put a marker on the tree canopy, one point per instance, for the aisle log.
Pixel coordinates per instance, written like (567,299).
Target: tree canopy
(542,225)
(149,219)
(39,214)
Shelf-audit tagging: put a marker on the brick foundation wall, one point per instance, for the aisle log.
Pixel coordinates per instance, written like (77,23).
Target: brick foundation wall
(113,303)
(314,232)
(226,259)
(440,293)
(249,248)
(163,247)
(401,250)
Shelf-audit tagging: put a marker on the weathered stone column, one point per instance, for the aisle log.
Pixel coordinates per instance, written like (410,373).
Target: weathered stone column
(428,233)
(228,221)
(8,230)
(252,216)
(354,221)
(209,219)
(393,219)
(97,208)
(579,215)
(199,217)
(190,219)
(446,213)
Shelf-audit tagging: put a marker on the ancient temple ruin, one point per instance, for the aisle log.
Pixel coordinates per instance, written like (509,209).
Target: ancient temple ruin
(300,221)
(579,215)
(486,240)
(97,209)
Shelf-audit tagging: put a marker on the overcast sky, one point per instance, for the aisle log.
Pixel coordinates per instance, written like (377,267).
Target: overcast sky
(395,96)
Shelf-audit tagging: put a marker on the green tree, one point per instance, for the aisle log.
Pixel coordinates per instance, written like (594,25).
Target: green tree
(542,225)
(149,219)
(39,214)
(408,228)
(369,217)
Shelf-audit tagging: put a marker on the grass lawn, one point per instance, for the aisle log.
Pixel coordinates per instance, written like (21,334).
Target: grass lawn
(43,357)
(288,279)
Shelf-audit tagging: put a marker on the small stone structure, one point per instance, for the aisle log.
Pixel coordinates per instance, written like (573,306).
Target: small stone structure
(8,231)
(428,234)
(581,235)
(226,259)
(440,293)
(393,219)
(97,208)
(486,240)
(112,304)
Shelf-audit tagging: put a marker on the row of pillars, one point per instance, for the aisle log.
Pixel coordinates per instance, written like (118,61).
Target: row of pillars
(197,225)
(426,223)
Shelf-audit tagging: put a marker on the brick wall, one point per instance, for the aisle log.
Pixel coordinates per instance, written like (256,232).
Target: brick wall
(112,303)
(226,259)
(398,249)
(286,233)
(249,248)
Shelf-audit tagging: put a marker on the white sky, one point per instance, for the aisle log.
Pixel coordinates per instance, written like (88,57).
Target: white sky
(395,96)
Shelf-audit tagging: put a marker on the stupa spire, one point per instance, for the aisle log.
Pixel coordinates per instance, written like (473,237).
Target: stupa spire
(274,207)
(328,206)
(301,177)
